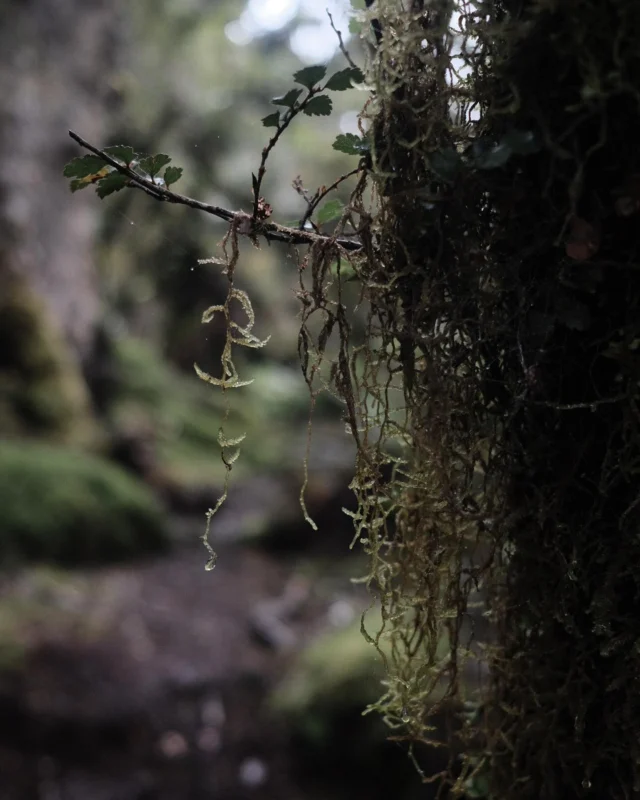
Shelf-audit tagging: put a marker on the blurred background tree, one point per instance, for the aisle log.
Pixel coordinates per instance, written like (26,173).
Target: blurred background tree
(126,670)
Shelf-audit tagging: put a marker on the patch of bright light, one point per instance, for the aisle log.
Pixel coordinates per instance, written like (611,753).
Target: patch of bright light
(237,33)
(316,43)
(349,122)
(271,15)
(312,45)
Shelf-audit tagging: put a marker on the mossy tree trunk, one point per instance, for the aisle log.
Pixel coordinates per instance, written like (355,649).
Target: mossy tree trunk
(566,682)
(509,241)
(55,63)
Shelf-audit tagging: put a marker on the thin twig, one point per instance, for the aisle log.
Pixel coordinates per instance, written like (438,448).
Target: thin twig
(343,49)
(282,126)
(270,230)
(299,188)
(313,204)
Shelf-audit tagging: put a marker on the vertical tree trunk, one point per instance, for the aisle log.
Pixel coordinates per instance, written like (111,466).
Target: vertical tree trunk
(56,57)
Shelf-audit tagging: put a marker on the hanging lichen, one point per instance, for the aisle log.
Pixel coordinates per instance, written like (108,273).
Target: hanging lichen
(493,398)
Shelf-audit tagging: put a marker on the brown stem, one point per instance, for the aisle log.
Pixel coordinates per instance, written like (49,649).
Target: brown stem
(270,230)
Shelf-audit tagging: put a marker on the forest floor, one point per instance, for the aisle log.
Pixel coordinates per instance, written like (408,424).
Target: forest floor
(152,680)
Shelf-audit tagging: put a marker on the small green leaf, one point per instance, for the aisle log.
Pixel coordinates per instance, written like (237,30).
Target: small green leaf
(145,165)
(172,174)
(446,164)
(122,152)
(272,120)
(319,106)
(289,99)
(83,166)
(112,183)
(77,184)
(153,164)
(309,76)
(351,144)
(355,26)
(343,80)
(330,211)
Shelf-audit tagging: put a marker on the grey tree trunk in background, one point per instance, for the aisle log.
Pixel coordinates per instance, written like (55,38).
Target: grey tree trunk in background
(56,61)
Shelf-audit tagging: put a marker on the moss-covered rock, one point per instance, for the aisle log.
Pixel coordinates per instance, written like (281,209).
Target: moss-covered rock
(338,675)
(62,505)
(42,391)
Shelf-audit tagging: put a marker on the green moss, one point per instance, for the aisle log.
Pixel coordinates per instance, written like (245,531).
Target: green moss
(41,389)
(61,505)
(337,675)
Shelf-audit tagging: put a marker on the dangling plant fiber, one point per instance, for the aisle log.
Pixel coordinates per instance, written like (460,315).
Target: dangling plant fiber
(494,401)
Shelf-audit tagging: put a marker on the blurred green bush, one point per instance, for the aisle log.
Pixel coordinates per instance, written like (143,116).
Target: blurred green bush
(337,675)
(69,507)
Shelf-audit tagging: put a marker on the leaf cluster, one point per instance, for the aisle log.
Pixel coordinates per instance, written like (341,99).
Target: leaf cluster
(92,170)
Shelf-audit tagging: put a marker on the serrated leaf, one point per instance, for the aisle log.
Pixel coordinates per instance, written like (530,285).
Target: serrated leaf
(112,183)
(330,211)
(83,166)
(309,76)
(153,164)
(89,180)
(272,120)
(289,99)
(320,106)
(122,152)
(172,174)
(351,144)
(343,80)
(78,183)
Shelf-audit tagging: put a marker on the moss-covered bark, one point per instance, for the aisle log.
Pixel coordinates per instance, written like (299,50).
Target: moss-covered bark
(42,391)
(504,279)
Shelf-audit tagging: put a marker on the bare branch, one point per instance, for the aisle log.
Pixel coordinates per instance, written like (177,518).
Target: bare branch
(343,49)
(270,230)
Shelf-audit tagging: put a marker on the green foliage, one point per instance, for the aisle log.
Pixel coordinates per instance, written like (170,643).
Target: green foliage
(351,144)
(338,671)
(289,99)
(309,76)
(95,170)
(122,152)
(42,392)
(153,164)
(330,211)
(67,506)
(113,182)
(172,175)
(320,106)
(271,120)
(344,79)
(83,166)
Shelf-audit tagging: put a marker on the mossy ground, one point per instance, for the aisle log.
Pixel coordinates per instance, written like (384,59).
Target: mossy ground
(63,505)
